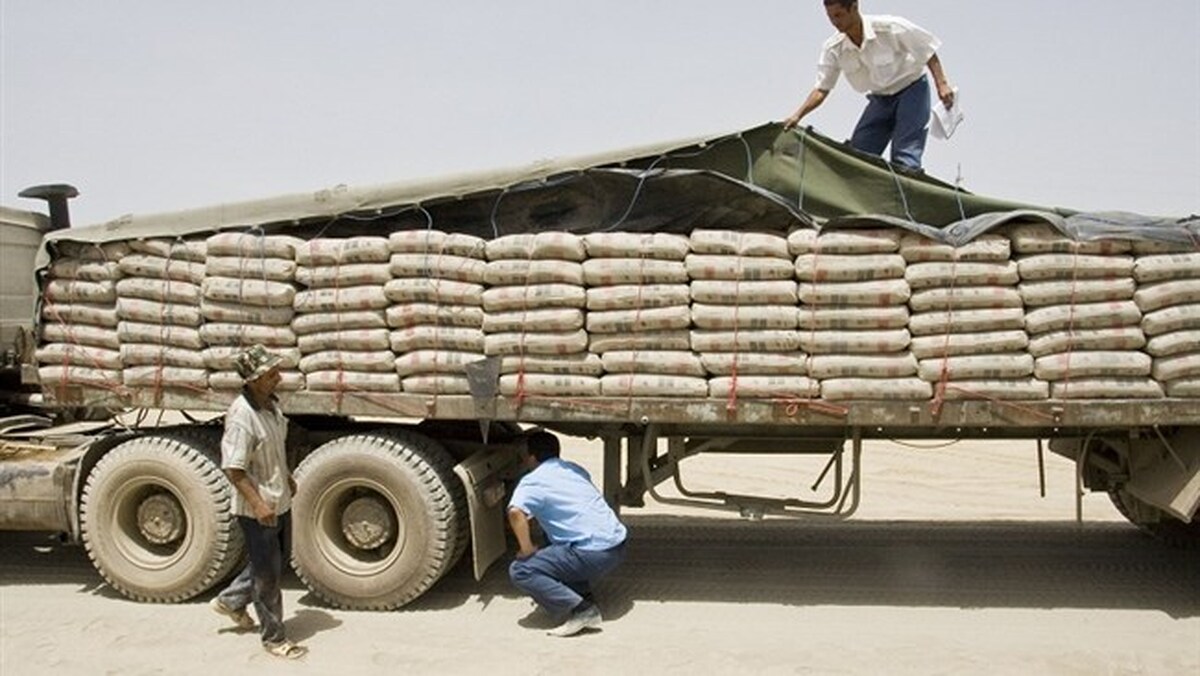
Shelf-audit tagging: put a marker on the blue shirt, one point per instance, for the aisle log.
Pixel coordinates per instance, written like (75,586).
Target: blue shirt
(561,496)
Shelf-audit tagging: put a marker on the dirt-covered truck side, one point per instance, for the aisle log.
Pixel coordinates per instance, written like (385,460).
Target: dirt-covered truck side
(760,292)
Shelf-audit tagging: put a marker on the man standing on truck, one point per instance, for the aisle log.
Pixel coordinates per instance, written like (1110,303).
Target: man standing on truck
(885,58)
(586,539)
(254,457)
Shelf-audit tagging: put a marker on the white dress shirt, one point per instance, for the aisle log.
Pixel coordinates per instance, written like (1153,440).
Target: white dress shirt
(893,55)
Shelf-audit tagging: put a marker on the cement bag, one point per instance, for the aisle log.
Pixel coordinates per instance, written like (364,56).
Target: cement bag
(338,321)
(164,291)
(160,334)
(918,249)
(754,317)
(434,361)
(89,251)
(439,266)
(813,318)
(1092,364)
(854,342)
(1119,339)
(437,338)
(565,342)
(516,272)
(976,367)
(534,297)
(634,296)
(1038,294)
(615,271)
(844,242)
(1178,367)
(1021,389)
(141,265)
(959,344)
(966,321)
(195,251)
(533,320)
(872,294)
(417,314)
(548,245)
(862,366)
(745,341)
(1184,389)
(1176,342)
(274,269)
(651,340)
(224,357)
(840,268)
(253,245)
(739,243)
(138,354)
(893,389)
(245,335)
(667,362)
(78,291)
(1165,267)
(165,376)
(639,321)
(1041,238)
(1163,294)
(350,299)
(65,376)
(81,313)
(1106,388)
(443,384)
(81,334)
(380,361)
(1069,266)
(742,268)
(1108,315)
(435,242)
(355,274)
(248,291)
(337,251)
(640,385)
(965,298)
(1174,318)
(154,312)
(440,291)
(779,292)
(351,381)
(755,364)
(657,245)
(290,381)
(935,275)
(238,313)
(80,355)
(764,387)
(547,385)
(88,271)
(567,365)
(358,340)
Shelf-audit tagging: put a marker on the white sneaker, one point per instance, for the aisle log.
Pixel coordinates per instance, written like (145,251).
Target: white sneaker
(578,621)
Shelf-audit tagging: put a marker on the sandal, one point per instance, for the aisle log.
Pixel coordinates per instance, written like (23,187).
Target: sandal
(286,649)
(240,617)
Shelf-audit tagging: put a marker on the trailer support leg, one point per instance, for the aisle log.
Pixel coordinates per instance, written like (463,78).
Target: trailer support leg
(612,472)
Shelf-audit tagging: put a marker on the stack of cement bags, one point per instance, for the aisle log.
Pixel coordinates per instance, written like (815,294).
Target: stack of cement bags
(79,318)
(340,325)
(246,299)
(1169,296)
(534,318)
(638,315)
(968,324)
(744,314)
(436,316)
(1084,327)
(853,317)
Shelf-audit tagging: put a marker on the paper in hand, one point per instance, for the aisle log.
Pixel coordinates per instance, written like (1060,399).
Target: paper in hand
(944,121)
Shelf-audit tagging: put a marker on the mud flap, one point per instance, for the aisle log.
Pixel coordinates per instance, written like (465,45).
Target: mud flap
(1170,480)
(482,476)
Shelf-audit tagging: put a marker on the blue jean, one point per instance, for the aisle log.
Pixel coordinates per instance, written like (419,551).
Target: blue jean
(258,582)
(901,119)
(559,576)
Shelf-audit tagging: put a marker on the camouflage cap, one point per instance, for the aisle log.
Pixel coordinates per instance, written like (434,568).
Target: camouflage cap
(256,362)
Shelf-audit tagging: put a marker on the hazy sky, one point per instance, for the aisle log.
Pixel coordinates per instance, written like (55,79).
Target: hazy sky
(151,106)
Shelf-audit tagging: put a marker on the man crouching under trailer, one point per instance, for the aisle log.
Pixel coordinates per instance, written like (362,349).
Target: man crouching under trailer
(586,539)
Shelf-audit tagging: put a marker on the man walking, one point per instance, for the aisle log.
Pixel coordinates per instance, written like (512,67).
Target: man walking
(884,57)
(586,539)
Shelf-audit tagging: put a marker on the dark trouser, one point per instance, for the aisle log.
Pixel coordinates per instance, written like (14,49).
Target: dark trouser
(901,119)
(558,576)
(269,547)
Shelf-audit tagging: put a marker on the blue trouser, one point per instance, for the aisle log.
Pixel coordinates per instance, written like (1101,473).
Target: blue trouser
(559,576)
(268,547)
(901,119)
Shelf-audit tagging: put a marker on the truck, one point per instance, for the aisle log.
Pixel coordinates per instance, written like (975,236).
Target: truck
(759,292)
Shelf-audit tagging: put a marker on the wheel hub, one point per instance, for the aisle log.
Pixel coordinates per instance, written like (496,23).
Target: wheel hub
(160,519)
(367,523)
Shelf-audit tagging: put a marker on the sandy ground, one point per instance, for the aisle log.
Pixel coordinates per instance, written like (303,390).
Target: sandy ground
(953,565)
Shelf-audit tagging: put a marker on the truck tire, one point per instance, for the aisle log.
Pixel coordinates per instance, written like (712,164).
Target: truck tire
(1151,520)
(378,519)
(155,518)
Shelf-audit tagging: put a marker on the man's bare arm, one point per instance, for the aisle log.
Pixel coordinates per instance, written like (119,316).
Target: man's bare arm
(944,91)
(814,101)
(519,522)
(264,513)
